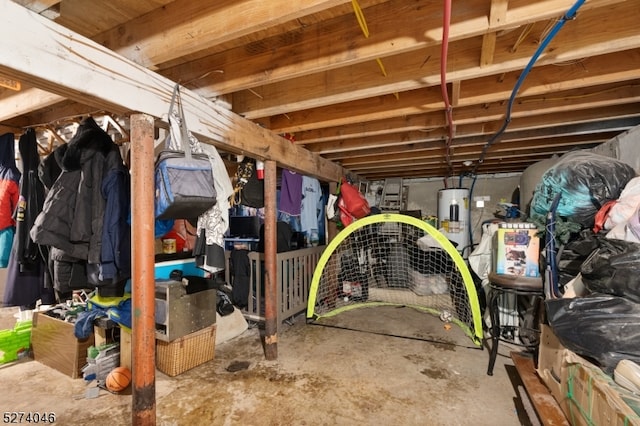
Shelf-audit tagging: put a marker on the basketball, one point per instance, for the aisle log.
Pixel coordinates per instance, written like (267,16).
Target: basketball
(118,379)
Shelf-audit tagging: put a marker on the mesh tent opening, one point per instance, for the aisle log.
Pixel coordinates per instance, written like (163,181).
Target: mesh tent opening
(394,259)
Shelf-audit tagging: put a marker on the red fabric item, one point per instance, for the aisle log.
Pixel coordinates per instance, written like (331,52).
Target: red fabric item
(9,195)
(184,233)
(345,216)
(354,202)
(602,215)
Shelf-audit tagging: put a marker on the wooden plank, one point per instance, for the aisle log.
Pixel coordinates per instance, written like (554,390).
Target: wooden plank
(581,38)
(614,68)
(389,39)
(87,72)
(497,17)
(315,49)
(190,26)
(456,86)
(504,150)
(38,5)
(488,49)
(544,403)
(106,14)
(417,140)
(498,13)
(431,124)
(10,84)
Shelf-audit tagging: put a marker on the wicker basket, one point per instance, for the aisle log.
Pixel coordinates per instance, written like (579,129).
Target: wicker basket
(187,352)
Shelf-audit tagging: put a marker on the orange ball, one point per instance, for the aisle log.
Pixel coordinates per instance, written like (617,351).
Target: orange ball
(118,379)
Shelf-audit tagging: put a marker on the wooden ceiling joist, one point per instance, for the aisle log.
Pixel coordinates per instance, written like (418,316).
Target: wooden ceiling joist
(75,67)
(304,68)
(361,81)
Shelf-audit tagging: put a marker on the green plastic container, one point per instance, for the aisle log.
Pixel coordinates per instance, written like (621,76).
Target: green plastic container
(13,342)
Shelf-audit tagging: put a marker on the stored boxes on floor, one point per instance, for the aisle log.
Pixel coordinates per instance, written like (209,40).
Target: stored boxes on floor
(54,344)
(516,250)
(585,393)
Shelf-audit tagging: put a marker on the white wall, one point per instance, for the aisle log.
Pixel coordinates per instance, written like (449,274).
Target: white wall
(625,147)
(423,195)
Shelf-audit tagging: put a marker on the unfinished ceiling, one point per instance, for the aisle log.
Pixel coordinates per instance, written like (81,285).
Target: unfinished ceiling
(360,82)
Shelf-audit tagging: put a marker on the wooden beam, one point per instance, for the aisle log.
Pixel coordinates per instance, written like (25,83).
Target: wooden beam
(390,39)
(38,5)
(498,14)
(497,17)
(511,149)
(432,124)
(488,49)
(530,129)
(611,68)
(586,36)
(10,84)
(315,48)
(191,26)
(455,92)
(75,67)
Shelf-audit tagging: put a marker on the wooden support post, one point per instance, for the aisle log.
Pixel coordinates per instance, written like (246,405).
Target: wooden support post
(270,262)
(143,263)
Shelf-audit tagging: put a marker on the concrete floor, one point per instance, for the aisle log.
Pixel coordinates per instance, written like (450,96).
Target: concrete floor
(325,374)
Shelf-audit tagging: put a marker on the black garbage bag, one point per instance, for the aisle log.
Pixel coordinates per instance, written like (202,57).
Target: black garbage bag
(572,255)
(586,181)
(613,268)
(602,328)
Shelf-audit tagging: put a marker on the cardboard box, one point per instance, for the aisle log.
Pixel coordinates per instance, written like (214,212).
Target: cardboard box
(585,393)
(54,344)
(516,252)
(551,356)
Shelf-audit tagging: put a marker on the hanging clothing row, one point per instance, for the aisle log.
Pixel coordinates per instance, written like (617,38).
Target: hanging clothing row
(301,205)
(26,273)
(75,217)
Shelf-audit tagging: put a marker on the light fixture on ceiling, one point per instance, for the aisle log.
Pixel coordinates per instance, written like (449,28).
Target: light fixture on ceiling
(467,163)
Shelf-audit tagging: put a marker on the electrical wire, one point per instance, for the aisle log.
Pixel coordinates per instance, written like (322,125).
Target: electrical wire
(569,15)
(357,10)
